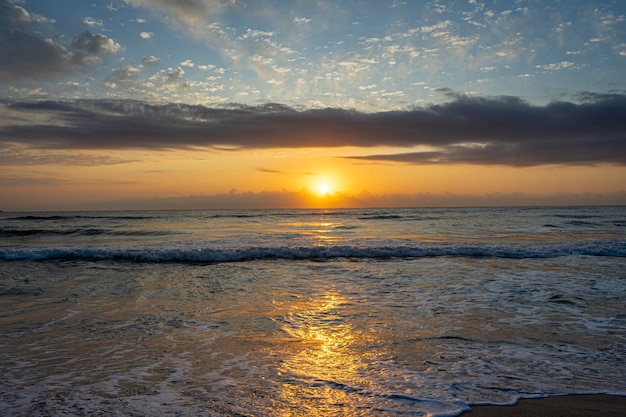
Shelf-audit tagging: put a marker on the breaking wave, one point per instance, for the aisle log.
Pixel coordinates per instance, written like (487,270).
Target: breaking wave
(197,253)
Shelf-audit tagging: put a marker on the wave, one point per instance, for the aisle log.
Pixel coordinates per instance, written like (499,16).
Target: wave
(75,217)
(382,217)
(581,223)
(576,216)
(80,232)
(195,254)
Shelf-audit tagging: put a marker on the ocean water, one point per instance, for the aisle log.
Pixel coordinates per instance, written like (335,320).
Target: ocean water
(368,312)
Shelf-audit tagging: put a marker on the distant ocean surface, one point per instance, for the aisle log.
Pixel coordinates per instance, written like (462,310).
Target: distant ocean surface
(356,312)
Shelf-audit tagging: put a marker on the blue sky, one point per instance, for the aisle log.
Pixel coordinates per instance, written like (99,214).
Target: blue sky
(366,55)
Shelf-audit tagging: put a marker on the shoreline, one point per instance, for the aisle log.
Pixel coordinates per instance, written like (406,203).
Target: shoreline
(575,405)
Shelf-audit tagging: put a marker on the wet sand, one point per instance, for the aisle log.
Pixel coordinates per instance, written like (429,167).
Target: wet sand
(566,406)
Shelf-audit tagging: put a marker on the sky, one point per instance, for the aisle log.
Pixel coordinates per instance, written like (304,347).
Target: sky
(150,104)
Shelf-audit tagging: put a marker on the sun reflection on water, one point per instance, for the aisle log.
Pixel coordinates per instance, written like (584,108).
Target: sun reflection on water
(324,376)
(324,232)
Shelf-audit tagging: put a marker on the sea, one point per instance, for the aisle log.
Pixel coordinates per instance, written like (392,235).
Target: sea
(347,312)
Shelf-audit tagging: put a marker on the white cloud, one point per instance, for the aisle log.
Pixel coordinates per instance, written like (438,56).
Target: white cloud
(124,75)
(146,35)
(188,63)
(556,66)
(439,26)
(175,74)
(169,75)
(256,34)
(149,59)
(90,21)
(281,70)
(259,59)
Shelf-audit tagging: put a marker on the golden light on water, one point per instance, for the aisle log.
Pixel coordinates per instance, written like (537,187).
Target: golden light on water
(323,231)
(321,377)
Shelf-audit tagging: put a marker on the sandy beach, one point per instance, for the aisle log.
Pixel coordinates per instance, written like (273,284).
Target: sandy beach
(566,406)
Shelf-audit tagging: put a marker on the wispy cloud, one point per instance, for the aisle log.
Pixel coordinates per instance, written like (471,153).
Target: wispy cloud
(475,130)
(269,171)
(275,171)
(191,15)
(19,182)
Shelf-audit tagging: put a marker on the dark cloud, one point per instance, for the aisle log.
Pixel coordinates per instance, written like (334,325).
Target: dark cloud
(509,131)
(500,130)
(12,16)
(15,156)
(91,47)
(26,54)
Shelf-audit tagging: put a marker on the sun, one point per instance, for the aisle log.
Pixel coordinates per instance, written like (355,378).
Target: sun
(323,188)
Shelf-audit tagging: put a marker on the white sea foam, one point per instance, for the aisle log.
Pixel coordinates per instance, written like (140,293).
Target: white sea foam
(198,253)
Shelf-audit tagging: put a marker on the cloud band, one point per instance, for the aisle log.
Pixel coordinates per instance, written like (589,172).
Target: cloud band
(474,130)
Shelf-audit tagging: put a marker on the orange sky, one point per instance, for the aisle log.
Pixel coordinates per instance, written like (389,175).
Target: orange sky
(188,179)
